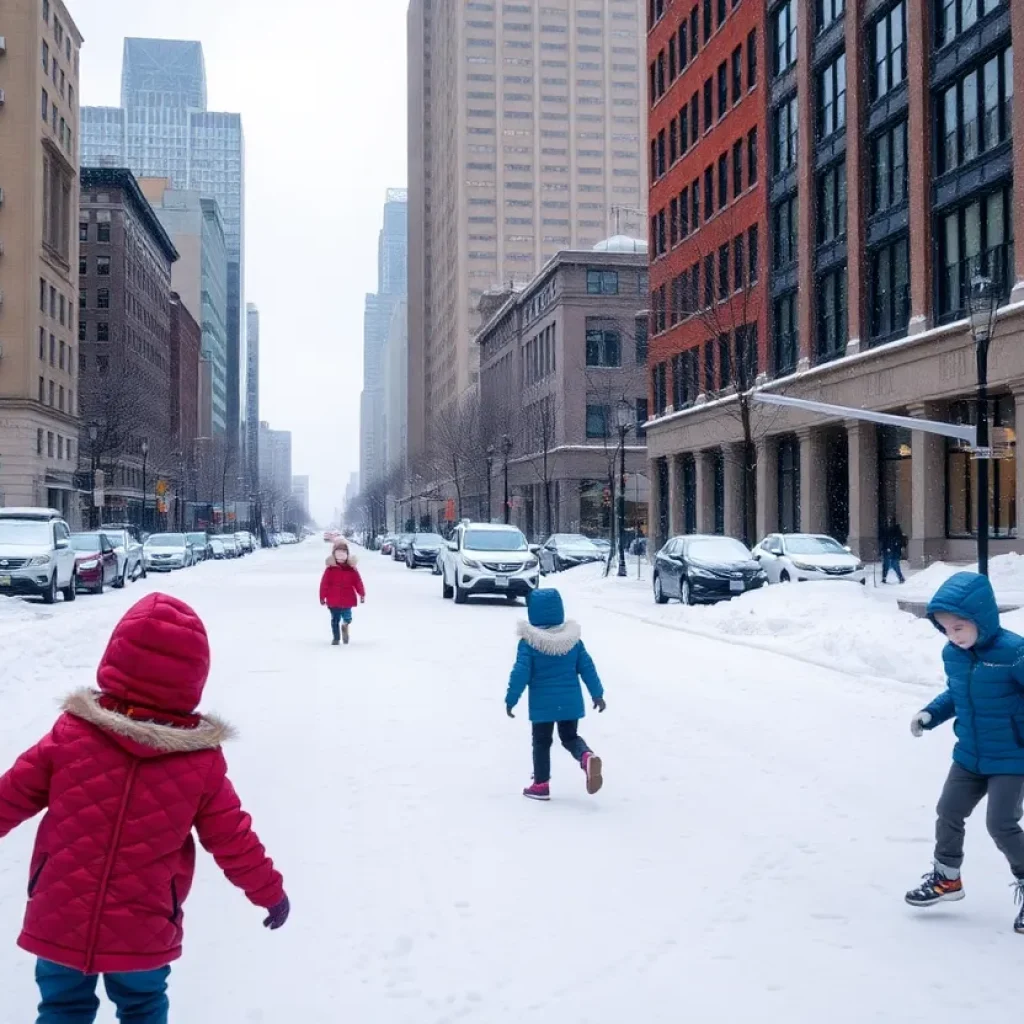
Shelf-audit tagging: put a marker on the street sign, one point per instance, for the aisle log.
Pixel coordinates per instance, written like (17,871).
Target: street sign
(161,488)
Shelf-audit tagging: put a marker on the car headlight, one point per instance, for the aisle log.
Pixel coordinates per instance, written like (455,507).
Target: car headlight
(531,564)
(702,573)
(471,563)
(38,560)
(91,564)
(861,567)
(761,574)
(803,567)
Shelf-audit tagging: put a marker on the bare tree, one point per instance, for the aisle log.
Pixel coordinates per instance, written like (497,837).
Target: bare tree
(113,402)
(455,450)
(538,439)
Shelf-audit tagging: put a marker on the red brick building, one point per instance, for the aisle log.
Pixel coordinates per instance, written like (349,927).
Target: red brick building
(186,345)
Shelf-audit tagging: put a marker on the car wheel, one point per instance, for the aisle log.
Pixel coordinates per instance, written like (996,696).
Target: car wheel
(685,594)
(122,580)
(446,592)
(659,592)
(71,591)
(461,596)
(512,598)
(50,595)
(100,587)
(784,577)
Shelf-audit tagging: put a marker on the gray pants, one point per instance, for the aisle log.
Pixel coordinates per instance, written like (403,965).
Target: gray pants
(961,794)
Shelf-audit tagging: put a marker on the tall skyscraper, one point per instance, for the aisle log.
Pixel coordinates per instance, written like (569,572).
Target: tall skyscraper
(525,138)
(252,396)
(392,283)
(164,130)
(39,364)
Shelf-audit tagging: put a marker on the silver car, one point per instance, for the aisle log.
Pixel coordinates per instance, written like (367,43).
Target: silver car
(36,557)
(131,562)
(165,552)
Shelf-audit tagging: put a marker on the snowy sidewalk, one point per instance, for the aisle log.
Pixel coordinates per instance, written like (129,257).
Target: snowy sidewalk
(746,860)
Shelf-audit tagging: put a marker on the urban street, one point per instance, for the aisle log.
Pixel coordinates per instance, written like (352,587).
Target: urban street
(761,818)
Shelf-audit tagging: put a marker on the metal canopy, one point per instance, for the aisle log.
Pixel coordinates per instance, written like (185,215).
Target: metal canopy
(960,431)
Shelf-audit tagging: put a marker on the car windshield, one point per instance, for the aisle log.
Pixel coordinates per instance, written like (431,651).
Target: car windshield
(814,546)
(85,541)
(718,549)
(429,540)
(197,538)
(118,538)
(216,542)
(572,540)
(167,540)
(495,540)
(24,531)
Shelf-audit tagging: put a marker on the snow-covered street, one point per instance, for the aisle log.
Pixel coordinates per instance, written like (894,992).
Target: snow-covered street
(761,820)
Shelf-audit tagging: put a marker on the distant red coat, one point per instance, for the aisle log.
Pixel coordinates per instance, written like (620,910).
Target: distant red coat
(341,585)
(125,776)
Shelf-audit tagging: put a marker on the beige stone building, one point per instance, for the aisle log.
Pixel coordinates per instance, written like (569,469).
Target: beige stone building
(525,138)
(39,120)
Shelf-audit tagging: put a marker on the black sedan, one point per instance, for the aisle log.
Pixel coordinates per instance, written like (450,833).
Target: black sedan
(700,569)
(423,550)
(401,546)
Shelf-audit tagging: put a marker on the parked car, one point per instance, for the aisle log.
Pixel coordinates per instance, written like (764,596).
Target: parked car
(96,563)
(603,545)
(167,551)
(567,550)
(246,541)
(401,546)
(231,546)
(217,549)
(36,557)
(424,550)
(131,563)
(200,542)
(802,557)
(703,569)
(483,558)
(387,545)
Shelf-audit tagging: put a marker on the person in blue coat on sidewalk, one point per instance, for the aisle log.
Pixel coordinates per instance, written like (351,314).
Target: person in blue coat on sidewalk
(984,666)
(550,662)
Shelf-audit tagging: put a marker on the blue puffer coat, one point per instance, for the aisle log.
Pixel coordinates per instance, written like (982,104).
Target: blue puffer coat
(986,683)
(551,660)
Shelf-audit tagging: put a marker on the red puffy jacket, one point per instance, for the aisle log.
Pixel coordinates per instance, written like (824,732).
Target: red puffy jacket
(123,785)
(341,585)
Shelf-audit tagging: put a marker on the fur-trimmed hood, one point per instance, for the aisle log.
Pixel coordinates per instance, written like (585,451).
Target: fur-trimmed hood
(153,738)
(333,562)
(554,640)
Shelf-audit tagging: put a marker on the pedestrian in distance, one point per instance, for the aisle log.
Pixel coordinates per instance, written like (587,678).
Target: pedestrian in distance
(892,541)
(125,775)
(984,666)
(341,588)
(550,662)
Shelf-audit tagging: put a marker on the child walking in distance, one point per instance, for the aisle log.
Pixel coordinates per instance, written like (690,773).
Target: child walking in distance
(340,588)
(985,695)
(550,662)
(125,775)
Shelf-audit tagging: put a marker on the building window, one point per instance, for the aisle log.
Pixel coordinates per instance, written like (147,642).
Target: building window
(832,324)
(709,193)
(659,389)
(828,11)
(785,347)
(751,157)
(51,392)
(746,356)
(786,122)
(61,355)
(754,252)
(723,272)
(723,181)
(723,90)
(752,59)
(694,119)
(976,113)
(708,27)
(832,98)
(46,11)
(597,421)
(789,484)
(709,105)
(45,109)
(602,282)
(721,12)
(888,40)
(695,203)
(102,331)
(49,443)
(737,75)
(604,347)
(890,291)
(103,298)
(737,169)
(724,361)
(784,232)
(889,168)
(975,239)
(739,262)
(832,203)
(53,351)
(955,16)
(81,330)
(642,416)
(684,213)
(709,281)
(710,384)
(640,334)
(57,212)
(103,231)
(784,38)
(684,379)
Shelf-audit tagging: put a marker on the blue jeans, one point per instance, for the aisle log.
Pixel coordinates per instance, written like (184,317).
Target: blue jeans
(891,561)
(69,997)
(339,615)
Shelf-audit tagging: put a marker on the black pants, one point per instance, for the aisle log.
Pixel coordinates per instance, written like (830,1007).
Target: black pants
(543,736)
(962,793)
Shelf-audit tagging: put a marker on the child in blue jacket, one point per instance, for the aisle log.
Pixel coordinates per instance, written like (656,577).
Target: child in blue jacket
(550,661)
(985,695)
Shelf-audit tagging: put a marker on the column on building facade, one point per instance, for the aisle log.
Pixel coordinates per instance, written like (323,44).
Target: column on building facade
(857,160)
(805,179)
(1017,33)
(767,486)
(863,472)
(675,495)
(919,161)
(732,464)
(705,467)
(656,532)
(928,474)
(813,499)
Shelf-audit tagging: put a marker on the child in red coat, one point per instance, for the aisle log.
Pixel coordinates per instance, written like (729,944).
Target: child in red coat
(125,775)
(340,587)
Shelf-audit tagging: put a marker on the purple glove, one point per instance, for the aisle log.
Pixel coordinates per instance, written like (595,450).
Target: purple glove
(277,915)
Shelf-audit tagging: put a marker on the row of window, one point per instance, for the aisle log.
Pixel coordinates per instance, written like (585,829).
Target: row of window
(52,303)
(606,282)
(54,395)
(539,356)
(59,354)
(102,231)
(56,445)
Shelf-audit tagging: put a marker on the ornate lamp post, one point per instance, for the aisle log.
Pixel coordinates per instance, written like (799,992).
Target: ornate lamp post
(489,455)
(145,459)
(624,420)
(983,304)
(94,519)
(506,451)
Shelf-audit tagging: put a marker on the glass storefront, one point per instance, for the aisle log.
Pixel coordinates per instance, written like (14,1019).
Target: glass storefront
(895,477)
(789,485)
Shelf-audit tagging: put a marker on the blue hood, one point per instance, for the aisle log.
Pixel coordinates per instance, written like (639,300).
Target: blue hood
(970,596)
(545,609)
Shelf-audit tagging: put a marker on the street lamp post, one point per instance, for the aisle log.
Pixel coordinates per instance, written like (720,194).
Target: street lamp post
(983,304)
(490,467)
(506,451)
(624,417)
(145,460)
(94,520)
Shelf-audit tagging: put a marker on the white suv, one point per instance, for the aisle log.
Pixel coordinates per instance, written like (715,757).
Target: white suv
(483,558)
(36,557)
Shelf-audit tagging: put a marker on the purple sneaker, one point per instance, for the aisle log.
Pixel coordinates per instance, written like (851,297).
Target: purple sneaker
(538,791)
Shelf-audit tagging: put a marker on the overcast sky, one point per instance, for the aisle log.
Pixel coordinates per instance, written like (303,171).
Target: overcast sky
(320,85)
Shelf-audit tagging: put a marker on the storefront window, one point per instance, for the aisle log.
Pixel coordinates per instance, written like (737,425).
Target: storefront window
(789,485)
(689,494)
(895,477)
(719,492)
(962,474)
